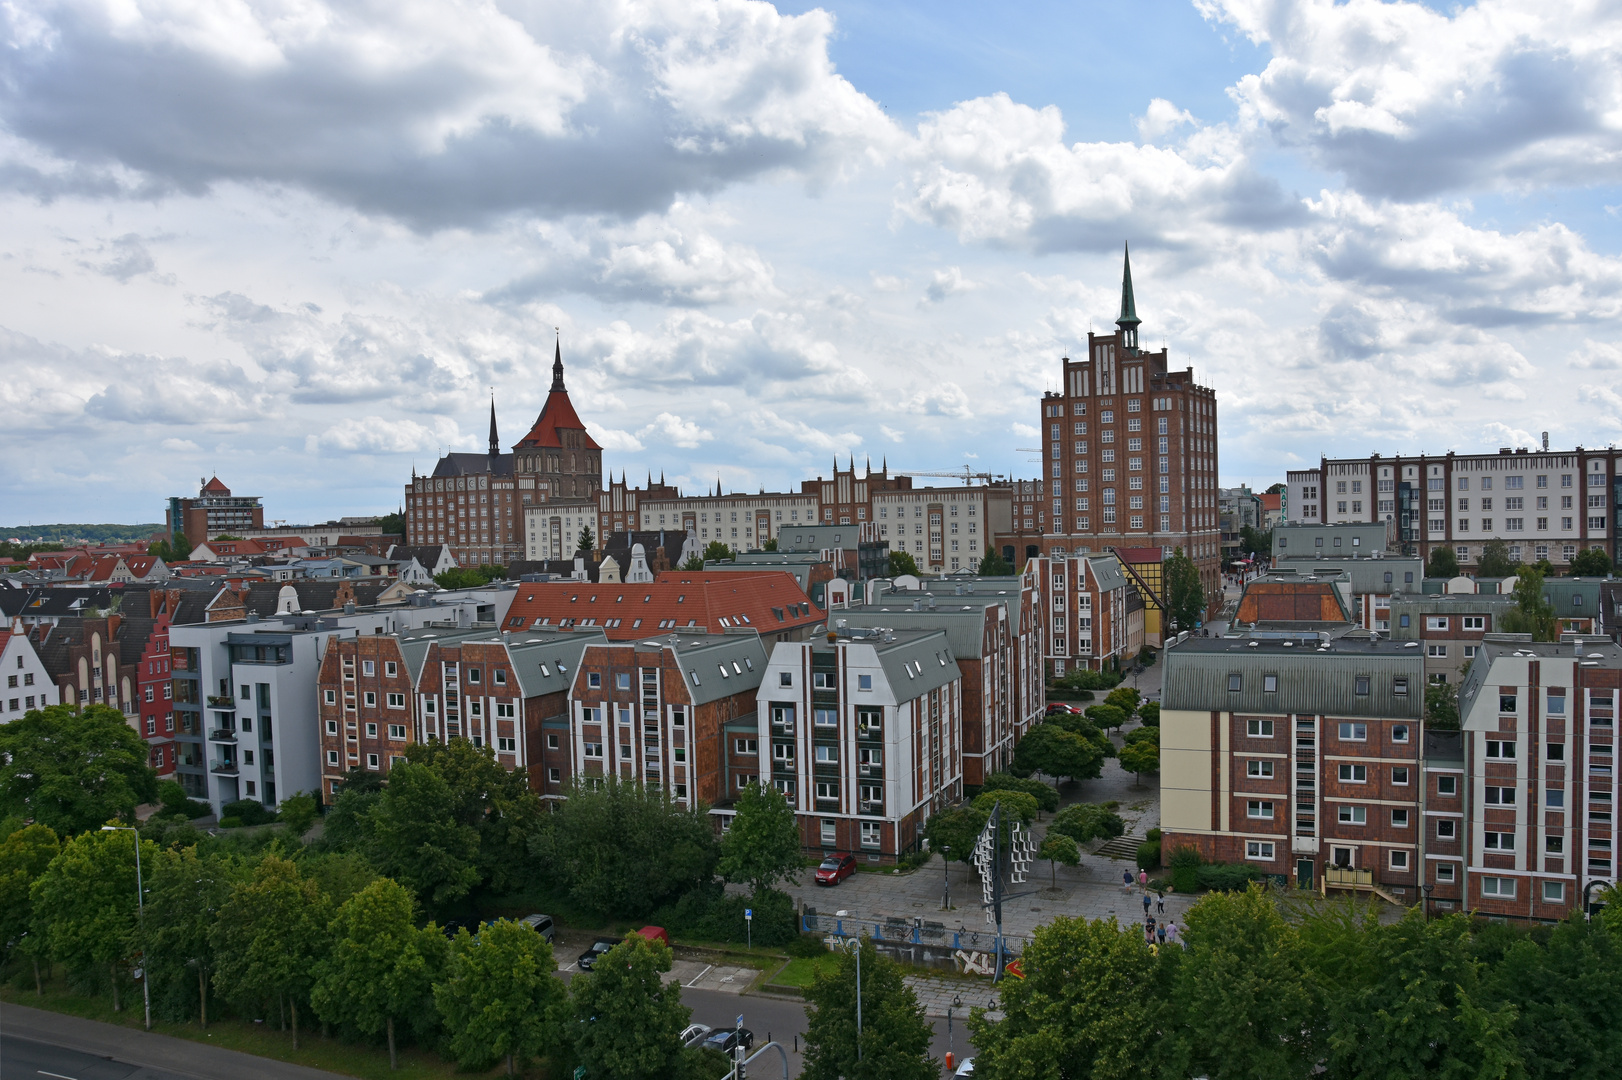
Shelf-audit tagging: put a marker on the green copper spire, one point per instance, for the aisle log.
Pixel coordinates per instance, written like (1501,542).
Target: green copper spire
(1129,307)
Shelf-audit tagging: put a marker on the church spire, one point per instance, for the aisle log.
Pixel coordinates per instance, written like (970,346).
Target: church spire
(557,366)
(495,442)
(1128,320)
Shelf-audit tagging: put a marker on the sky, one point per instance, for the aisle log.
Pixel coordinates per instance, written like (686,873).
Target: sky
(302,244)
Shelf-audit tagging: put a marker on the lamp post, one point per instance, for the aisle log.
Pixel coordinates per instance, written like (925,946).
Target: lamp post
(951,1042)
(946,877)
(1427,887)
(854,945)
(140,917)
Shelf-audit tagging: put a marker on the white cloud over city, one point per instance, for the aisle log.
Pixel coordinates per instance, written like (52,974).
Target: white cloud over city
(305,243)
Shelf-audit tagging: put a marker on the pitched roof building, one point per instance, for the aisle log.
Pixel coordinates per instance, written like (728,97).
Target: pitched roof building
(770,602)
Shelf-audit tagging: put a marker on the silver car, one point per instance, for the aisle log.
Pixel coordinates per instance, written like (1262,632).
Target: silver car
(693,1034)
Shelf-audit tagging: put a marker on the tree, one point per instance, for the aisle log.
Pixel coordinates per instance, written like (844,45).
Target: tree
(1566,995)
(416,839)
(623,849)
(1050,748)
(952,832)
(1442,706)
(24,857)
(180,547)
(501,997)
(461,577)
(297,814)
(994,565)
(1241,995)
(716,551)
(1058,848)
(392,524)
(895,1039)
(85,906)
(1185,596)
(693,563)
(1091,1004)
(73,770)
(1084,822)
(492,571)
(382,966)
(1125,698)
(1140,757)
(1495,561)
(628,1019)
(186,893)
(1108,716)
(1532,613)
(270,936)
(762,846)
(1016,806)
(1591,562)
(770,544)
(902,563)
(587,541)
(494,801)
(1149,713)
(1277,489)
(1046,797)
(1443,563)
(1255,542)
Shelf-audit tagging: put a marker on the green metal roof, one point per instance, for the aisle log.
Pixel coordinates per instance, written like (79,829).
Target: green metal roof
(1310,681)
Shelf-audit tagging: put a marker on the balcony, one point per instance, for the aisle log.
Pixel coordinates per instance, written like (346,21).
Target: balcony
(226,735)
(222,701)
(1346,877)
(224,768)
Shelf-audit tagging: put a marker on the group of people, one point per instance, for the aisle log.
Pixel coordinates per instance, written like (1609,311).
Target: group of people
(1155,933)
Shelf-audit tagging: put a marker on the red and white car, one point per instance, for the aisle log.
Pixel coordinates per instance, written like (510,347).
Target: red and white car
(836,868)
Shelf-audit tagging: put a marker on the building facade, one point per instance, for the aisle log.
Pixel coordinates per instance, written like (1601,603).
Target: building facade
(214,511)
(1544,504)
(1130,453)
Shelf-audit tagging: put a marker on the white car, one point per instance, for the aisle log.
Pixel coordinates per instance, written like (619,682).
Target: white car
(693,1034)
(966,1068)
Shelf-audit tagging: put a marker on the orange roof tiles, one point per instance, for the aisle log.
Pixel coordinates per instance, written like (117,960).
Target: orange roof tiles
(770,602)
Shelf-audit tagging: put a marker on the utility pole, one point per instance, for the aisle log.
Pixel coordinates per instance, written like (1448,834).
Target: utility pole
(996,885)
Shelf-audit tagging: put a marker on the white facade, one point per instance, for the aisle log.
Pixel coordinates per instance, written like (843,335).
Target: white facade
(28,685)
(742,522)
(943,529)
(552,530)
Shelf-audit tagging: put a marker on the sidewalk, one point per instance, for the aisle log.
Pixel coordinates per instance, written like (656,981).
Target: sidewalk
(936,993)
(146,1049)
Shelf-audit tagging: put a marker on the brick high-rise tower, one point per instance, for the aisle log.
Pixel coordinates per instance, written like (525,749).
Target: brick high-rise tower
(1129,456)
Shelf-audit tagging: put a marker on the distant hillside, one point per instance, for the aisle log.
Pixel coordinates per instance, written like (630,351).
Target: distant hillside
(70,534)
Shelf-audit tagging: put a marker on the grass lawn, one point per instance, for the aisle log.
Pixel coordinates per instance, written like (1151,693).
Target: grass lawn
(248,1037)
(802,970)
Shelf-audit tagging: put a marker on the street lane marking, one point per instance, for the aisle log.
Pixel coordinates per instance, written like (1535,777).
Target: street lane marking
(58,1076)
(700,975)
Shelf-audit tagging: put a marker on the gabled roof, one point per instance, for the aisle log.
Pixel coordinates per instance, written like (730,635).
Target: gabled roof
(545,663)
(214,487)
(714,666)
(474,464)
(557,414)
(768,602)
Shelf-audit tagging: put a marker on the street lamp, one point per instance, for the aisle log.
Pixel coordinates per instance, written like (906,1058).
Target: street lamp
(946,877)
(1427,887)
(854,945)
(140,917)
(951,1043)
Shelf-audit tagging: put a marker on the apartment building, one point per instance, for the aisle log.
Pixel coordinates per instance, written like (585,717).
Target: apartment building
(1138,439)
(1371,582)
(1090,613)
(864,736)
(675,711)
(1544,504)
(1023,598)
(1539,798)
(1300,756)
(1449,627)
(945,530)
(1027,522)
(214,511)
(741,521)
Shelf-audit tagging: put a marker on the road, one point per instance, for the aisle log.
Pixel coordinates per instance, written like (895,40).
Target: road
(25,1059)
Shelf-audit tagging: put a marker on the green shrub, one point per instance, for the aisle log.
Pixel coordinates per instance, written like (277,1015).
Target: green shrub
(1087,821)
(1185,869)
(174,800)
(912,860)
(1146,657)
(230,823)
(709,913)
(1047,797)
(1227,877)
(807,946)
(1155,834)
(1149,713)
(1149,855)
(248,811)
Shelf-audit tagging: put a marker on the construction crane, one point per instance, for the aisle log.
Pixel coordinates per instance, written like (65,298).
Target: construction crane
(965,474)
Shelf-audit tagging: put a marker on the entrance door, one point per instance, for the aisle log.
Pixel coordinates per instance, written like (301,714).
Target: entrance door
(1303,873)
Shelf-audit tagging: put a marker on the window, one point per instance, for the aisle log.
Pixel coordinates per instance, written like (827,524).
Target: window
(1399,732)
(746,747)
(397,731)
(1353,815)
(1447,829)
(332,757)
(1499,796)
(396,701)
(827,790)
(1236,683)
(371,761)
(1269,684)
(1354,732)
(551,742)
(1554,892)
(1557,702)
(1475,622)
(1262,769)
(594,680)
(1360,686)
(822,680)
(332,727)
(1444,873)
(1399,819)
(864,682)
(1498,841)
(1500,749)
(1354,774)
(830,827)
(785,678)
(390,668)
(1261,850)
(870,834)
(827,754)
(1259,809)
(1399,860)
(1557,751)
(371,699)
(331,697)
(1447,785)
(1261,729)
(371,731)
(1554,798)
(825,717)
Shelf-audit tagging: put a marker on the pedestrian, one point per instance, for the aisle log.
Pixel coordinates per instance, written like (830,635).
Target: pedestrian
(1126,880)
(1171,931)
(1160,901)
(1146,903)
(1160,935)
(1143,879)
(1148,935)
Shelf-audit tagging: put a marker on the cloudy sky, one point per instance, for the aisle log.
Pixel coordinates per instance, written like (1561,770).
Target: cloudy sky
(299,242)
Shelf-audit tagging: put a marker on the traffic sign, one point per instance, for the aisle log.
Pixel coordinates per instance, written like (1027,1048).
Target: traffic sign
(748,913)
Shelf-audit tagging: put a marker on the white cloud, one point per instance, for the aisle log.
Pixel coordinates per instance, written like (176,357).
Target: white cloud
(180,446)
(892,434)
(948,282)
(1025,431)
(668,427)
(1161,118)
(945,399)
(614,439)
(385,435)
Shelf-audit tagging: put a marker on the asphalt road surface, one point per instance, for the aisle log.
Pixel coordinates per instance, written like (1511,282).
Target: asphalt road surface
(24,1059)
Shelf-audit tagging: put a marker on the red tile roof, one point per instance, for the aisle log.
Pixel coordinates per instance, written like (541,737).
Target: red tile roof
(1272,500)
(770,602)
(555,414)
(214,487)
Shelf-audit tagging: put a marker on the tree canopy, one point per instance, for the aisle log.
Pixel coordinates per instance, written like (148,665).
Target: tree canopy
(1442,706)
(902,562)
(1532,613)
(73,770)
(1591,562)
(1185,595)
(895,1038)
(586,541)
(716,551)
(628,1020)
(994,565)
(1495,561)
(271,936)
(501,997)
(762,846)
(1443,562)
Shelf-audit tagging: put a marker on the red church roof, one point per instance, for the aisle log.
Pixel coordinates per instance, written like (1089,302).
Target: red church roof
(557,414)
(214,487)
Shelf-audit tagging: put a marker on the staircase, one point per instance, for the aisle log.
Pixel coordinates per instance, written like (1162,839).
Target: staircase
(1120,847)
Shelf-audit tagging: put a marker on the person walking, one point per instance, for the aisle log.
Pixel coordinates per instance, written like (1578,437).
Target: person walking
(1126,880)
(1160,901)
(1143,879)
(1146,905)
(1160,935)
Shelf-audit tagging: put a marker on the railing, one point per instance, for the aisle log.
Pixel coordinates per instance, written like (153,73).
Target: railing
(1346,877)
(222,701)
(222,735)
(224,768)
(905,930)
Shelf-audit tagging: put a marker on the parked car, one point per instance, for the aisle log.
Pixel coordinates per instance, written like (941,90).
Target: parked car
(542,925)
(693,1034)
(598,947)
(836,868)
(727,1039)
(655,933)
(1059,708)
(965,1069)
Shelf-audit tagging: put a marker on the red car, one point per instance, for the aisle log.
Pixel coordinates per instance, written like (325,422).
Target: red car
(836,868)
(1057,709)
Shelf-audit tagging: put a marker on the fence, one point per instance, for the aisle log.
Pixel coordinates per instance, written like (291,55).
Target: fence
(917,941)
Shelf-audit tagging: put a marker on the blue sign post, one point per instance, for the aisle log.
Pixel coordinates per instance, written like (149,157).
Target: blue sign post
(749,928)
